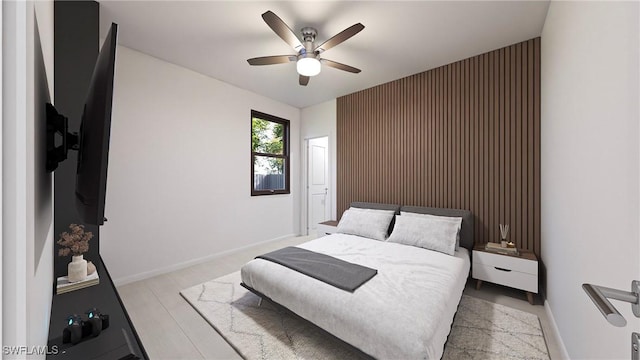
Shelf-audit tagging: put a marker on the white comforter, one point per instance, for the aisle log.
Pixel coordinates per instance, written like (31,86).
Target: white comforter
(404,312)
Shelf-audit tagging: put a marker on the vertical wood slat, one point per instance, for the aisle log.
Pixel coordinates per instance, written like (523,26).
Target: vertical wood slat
(464,135)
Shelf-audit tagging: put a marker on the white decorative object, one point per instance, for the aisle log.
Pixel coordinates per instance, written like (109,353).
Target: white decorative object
(77,268)
(90,268)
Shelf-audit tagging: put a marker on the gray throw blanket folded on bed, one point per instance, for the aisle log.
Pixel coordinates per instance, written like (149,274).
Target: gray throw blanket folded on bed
(339,273)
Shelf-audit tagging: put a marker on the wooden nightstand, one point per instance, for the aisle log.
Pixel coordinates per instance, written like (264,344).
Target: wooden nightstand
(327,228)
(520,272)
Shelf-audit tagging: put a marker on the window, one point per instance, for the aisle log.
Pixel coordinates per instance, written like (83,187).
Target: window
(269,154)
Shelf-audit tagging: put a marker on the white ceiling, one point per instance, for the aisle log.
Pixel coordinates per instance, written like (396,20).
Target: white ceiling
(216,38)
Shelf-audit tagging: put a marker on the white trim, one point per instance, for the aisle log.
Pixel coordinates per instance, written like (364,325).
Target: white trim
(556,331)
(1,242)
(14,163)
(174,267)
(304,209)
(304,214)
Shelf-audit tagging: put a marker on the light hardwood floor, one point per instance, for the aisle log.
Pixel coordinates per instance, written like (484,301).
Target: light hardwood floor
(171,329)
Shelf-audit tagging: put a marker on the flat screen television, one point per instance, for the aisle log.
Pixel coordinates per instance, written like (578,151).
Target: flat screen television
(95,130)
(92,141)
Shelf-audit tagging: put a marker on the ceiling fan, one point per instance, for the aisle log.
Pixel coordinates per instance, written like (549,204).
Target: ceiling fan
(308,61)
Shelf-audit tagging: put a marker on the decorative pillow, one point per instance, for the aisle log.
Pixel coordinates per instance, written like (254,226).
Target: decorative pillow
(367,223)
(453,219)
(426,232)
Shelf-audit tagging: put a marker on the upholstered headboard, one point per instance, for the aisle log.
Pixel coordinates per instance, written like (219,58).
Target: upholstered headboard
(466,231)
(376,206)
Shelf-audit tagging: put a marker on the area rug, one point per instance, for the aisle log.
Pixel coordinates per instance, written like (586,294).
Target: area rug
(481,329)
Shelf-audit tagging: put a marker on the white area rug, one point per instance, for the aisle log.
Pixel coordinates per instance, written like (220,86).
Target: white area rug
(481,329)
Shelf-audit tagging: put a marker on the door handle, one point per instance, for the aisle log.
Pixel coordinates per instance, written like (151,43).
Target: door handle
(600,296)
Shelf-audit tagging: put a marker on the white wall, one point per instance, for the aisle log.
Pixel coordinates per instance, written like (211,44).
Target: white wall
(590,164)
(179,179)
(316,121)
(27,273)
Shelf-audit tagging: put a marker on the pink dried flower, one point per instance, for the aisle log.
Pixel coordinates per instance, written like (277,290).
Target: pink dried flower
(75,242)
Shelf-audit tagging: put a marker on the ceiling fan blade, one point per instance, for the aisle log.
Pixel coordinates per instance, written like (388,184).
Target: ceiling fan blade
(279,27)
(303,80)
(270,60)
(340,66)
(340,37)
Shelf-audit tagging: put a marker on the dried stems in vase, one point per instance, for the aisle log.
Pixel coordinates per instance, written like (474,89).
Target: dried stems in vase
(504,231)
(75,242)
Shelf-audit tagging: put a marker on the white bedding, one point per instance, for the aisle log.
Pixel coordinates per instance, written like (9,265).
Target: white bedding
(404,312)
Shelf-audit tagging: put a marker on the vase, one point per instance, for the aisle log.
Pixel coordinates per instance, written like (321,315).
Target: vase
(77,268)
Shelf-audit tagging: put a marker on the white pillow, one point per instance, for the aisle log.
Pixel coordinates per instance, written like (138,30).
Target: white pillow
(453,219)
(368,223)
(426,232)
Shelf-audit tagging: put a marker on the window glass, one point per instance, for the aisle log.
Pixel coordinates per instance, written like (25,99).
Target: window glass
(269,154)
(267,136)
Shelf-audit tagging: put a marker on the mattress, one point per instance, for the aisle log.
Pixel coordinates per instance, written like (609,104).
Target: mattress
(405,311)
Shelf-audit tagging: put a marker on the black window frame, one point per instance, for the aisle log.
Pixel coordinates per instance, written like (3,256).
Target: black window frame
(285,153)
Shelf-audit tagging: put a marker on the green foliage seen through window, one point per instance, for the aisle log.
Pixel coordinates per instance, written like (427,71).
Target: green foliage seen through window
(267,138)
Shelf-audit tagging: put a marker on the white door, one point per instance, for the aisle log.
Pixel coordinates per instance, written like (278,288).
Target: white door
(318,203)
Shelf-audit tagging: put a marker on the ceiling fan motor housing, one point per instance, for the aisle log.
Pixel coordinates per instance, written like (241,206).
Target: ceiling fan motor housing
(308,37)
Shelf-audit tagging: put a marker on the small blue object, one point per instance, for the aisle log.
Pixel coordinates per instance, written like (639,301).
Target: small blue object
(90,315)
(70,321)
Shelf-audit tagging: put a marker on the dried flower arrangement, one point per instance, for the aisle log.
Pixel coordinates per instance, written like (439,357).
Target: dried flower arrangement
(504,231)
(75,242)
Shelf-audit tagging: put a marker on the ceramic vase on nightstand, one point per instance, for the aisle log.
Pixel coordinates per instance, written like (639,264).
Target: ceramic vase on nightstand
(77,268)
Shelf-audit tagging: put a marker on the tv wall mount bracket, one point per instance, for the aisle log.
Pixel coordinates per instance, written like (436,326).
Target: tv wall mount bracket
(58,124)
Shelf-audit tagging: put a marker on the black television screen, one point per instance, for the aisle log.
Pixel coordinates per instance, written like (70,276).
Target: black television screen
(95,129)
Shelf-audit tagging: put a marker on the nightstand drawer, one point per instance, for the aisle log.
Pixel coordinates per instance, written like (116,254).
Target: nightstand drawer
(506,262)
(501,275)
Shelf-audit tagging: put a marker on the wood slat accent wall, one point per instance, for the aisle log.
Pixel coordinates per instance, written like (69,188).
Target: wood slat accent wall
(465,135)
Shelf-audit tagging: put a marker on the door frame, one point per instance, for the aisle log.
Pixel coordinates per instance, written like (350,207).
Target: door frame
(305,181)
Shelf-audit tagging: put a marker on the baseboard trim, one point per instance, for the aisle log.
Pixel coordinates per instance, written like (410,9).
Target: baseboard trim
(185,264)
(556,331)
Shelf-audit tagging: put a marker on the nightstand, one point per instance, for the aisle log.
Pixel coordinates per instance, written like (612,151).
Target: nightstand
(327,227)
(520,272)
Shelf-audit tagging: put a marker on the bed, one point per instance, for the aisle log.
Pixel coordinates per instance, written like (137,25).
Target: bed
(405,311)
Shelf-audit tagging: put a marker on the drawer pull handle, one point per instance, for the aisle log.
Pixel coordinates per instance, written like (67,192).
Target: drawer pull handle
(502,269)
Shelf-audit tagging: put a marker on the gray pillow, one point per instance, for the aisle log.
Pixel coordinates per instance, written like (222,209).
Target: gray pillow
(454,219)
(367,223)
(426,232)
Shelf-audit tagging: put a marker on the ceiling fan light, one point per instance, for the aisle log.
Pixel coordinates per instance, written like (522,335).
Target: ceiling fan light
(308,66)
